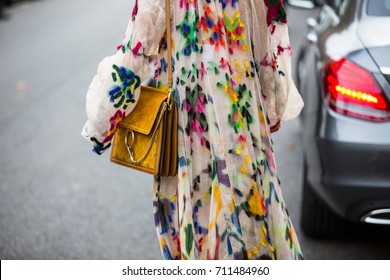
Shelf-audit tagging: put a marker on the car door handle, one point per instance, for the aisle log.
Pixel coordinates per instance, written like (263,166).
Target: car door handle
(311,23)
(312,37)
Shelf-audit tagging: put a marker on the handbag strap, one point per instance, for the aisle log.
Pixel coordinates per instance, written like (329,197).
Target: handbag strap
(169,48)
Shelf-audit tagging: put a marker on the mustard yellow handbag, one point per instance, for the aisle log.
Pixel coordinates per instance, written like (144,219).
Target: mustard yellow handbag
(147,138)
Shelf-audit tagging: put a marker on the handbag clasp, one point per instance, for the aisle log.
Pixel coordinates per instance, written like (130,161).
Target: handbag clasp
(129,147)
(170,99)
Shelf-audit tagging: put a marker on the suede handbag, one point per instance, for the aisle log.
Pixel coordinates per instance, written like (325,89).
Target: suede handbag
(146,139)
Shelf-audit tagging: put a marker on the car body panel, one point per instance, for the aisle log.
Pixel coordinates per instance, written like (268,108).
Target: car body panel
(371,34)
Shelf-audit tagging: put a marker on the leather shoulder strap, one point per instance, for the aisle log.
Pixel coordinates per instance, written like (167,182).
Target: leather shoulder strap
(169,42)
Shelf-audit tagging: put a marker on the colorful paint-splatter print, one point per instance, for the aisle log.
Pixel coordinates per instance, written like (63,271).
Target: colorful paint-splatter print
(233,85)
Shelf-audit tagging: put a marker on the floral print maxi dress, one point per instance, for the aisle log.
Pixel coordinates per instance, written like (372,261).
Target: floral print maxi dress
(233,85)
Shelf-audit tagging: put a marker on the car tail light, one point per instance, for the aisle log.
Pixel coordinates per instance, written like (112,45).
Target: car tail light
(353,91)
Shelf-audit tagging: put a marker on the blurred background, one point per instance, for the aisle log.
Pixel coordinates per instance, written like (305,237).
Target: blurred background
(58,200)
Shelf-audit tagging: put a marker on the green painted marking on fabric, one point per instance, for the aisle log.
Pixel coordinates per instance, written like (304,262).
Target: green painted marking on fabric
(189,238)
(116,68)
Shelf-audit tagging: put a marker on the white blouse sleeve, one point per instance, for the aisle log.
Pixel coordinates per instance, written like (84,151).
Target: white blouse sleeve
(114,91)
(281,97)
(288,102)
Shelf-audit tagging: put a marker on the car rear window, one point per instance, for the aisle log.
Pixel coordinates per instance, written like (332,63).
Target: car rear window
(378,8)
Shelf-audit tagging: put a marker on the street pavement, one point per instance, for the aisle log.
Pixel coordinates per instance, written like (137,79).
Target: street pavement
(58,200)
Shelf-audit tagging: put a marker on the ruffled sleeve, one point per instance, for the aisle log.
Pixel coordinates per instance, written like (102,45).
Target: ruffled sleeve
(114,91)
(281,97)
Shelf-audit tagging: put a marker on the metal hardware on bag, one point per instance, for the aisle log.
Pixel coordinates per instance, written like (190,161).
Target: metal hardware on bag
(132,138)
(155,53)
(152,139)
(170,99)
(130,146)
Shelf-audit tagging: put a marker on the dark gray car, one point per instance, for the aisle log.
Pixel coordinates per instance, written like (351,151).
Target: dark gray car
(343,73)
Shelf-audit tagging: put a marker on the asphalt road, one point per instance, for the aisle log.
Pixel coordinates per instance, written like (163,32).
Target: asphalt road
(58,200)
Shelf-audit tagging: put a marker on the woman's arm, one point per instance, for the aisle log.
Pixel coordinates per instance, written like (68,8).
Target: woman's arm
(281,98)
(114,91)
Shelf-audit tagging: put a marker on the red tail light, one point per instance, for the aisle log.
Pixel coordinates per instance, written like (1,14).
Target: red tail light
(353,91)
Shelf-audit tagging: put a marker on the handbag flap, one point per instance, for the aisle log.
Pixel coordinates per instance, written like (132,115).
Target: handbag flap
(144,114)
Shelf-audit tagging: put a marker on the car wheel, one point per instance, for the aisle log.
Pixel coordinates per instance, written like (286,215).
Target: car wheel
(317,220)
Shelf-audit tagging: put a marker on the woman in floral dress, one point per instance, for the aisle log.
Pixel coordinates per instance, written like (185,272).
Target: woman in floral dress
(233,86)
